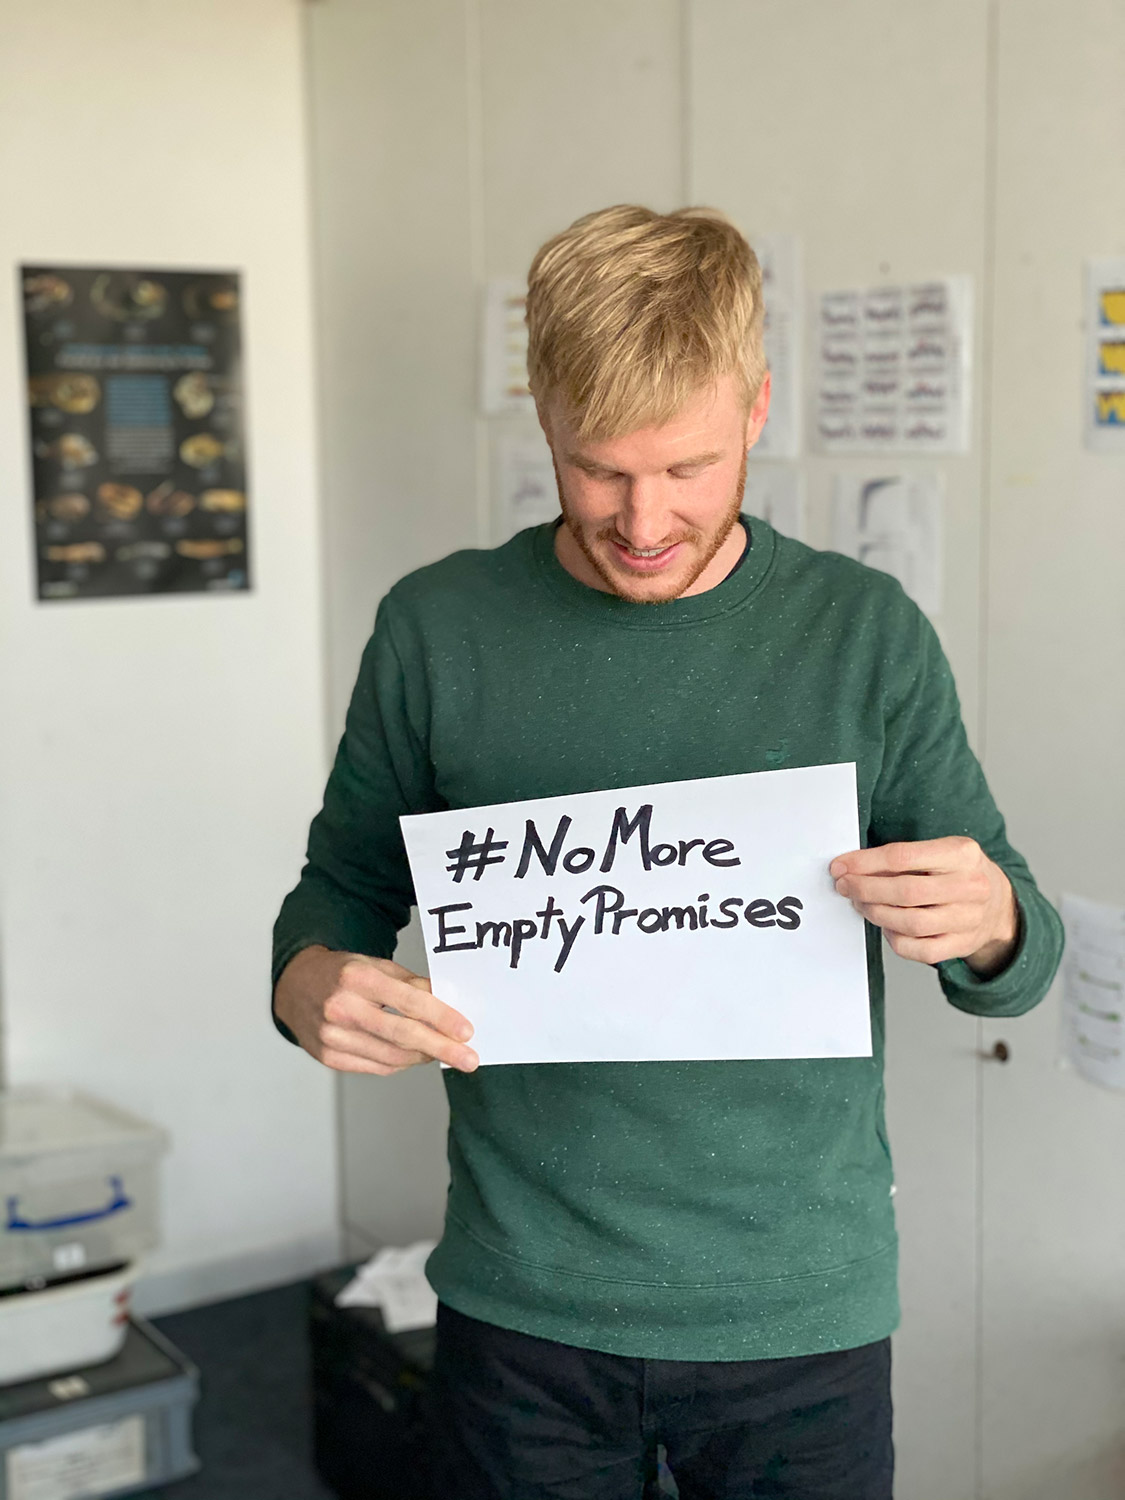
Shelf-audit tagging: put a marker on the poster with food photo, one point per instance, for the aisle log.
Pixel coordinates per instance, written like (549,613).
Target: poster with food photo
(137,441)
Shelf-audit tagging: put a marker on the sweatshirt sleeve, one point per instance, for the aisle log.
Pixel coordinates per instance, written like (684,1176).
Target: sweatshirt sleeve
(931,785)
(355,891)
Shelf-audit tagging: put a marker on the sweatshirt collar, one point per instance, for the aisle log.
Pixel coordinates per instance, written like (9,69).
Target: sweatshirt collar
(732,593)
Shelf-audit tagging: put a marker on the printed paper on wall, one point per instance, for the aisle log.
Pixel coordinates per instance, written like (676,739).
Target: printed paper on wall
(893,522)
(527,492)
(136,411)
(504,348)
(1104,387)
(1093,1004)
(776,492)
(782,292)
(893,368)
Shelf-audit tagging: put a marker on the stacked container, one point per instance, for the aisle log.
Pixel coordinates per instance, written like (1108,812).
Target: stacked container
(78,1207)
(92,1403)
(111,1429)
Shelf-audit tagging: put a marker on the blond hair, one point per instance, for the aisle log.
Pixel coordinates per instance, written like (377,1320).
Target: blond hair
(630,313)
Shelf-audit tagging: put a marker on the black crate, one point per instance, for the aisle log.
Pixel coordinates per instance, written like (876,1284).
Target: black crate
(368,1424)
(370,1438)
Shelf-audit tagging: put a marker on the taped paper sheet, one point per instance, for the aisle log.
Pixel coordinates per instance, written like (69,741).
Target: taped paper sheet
(1093,1006)
(693,919)
(780,258)
(504,348)
(893,522)
(776,492)
(528,491)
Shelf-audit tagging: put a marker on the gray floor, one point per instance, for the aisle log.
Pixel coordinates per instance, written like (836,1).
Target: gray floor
(253,1422)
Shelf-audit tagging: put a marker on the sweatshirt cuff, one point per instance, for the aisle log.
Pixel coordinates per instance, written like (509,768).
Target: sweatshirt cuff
(363,933)
(1019,986)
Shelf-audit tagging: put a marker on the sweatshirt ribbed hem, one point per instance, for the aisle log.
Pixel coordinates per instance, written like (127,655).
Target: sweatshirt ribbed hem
(842,1307)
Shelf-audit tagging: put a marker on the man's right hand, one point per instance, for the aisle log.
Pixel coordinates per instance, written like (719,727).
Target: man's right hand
(368,1015)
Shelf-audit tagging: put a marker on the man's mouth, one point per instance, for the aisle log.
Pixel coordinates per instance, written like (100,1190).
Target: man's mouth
(645,559)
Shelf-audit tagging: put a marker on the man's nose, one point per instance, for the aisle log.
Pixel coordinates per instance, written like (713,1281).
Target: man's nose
(644,520)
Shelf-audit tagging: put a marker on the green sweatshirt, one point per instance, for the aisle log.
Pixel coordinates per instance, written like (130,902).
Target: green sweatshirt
(699,1210)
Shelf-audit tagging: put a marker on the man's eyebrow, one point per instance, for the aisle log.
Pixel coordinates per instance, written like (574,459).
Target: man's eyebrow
(696,460)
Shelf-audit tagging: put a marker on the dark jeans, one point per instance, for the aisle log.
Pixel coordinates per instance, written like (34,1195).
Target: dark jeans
(521,1418)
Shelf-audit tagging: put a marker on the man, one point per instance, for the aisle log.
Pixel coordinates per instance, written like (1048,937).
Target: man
(700,1255)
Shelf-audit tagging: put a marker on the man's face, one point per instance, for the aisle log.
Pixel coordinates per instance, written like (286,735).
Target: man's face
(651,515)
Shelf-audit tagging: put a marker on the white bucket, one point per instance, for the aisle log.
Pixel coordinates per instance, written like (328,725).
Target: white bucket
(65,1327)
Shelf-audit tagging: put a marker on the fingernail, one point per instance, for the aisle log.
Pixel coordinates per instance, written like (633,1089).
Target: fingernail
(464,1031)
(837,867)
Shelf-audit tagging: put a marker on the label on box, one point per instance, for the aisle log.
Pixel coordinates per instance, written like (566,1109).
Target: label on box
(70,1257)
(79,1465)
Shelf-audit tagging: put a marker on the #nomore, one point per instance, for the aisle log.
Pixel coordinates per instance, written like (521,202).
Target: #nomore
(577,861)
(478,856)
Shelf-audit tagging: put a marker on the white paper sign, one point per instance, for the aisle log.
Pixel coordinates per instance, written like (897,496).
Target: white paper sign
(693,919)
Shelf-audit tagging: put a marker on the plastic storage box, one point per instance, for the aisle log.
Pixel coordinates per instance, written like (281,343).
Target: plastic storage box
(77,1321)
(108,1430)
(78,1185)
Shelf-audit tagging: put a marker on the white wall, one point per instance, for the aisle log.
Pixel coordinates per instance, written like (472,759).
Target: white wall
(160,757)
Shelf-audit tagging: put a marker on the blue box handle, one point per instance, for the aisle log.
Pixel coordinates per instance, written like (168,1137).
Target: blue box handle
(117,1202)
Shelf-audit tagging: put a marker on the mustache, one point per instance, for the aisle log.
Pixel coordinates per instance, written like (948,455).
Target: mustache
(611,534)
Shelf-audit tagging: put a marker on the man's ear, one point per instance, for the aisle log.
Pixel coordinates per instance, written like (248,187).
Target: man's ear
(542,412)
(759,411)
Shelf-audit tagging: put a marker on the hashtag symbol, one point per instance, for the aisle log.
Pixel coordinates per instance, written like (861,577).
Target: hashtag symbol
(469,855)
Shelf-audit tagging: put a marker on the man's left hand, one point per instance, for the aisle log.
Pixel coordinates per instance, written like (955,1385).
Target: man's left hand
(936,899)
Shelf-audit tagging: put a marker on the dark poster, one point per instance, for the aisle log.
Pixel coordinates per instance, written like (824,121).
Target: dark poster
(138,462)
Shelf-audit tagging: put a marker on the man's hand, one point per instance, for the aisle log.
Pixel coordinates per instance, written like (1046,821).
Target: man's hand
(938,899)
(368,1015)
